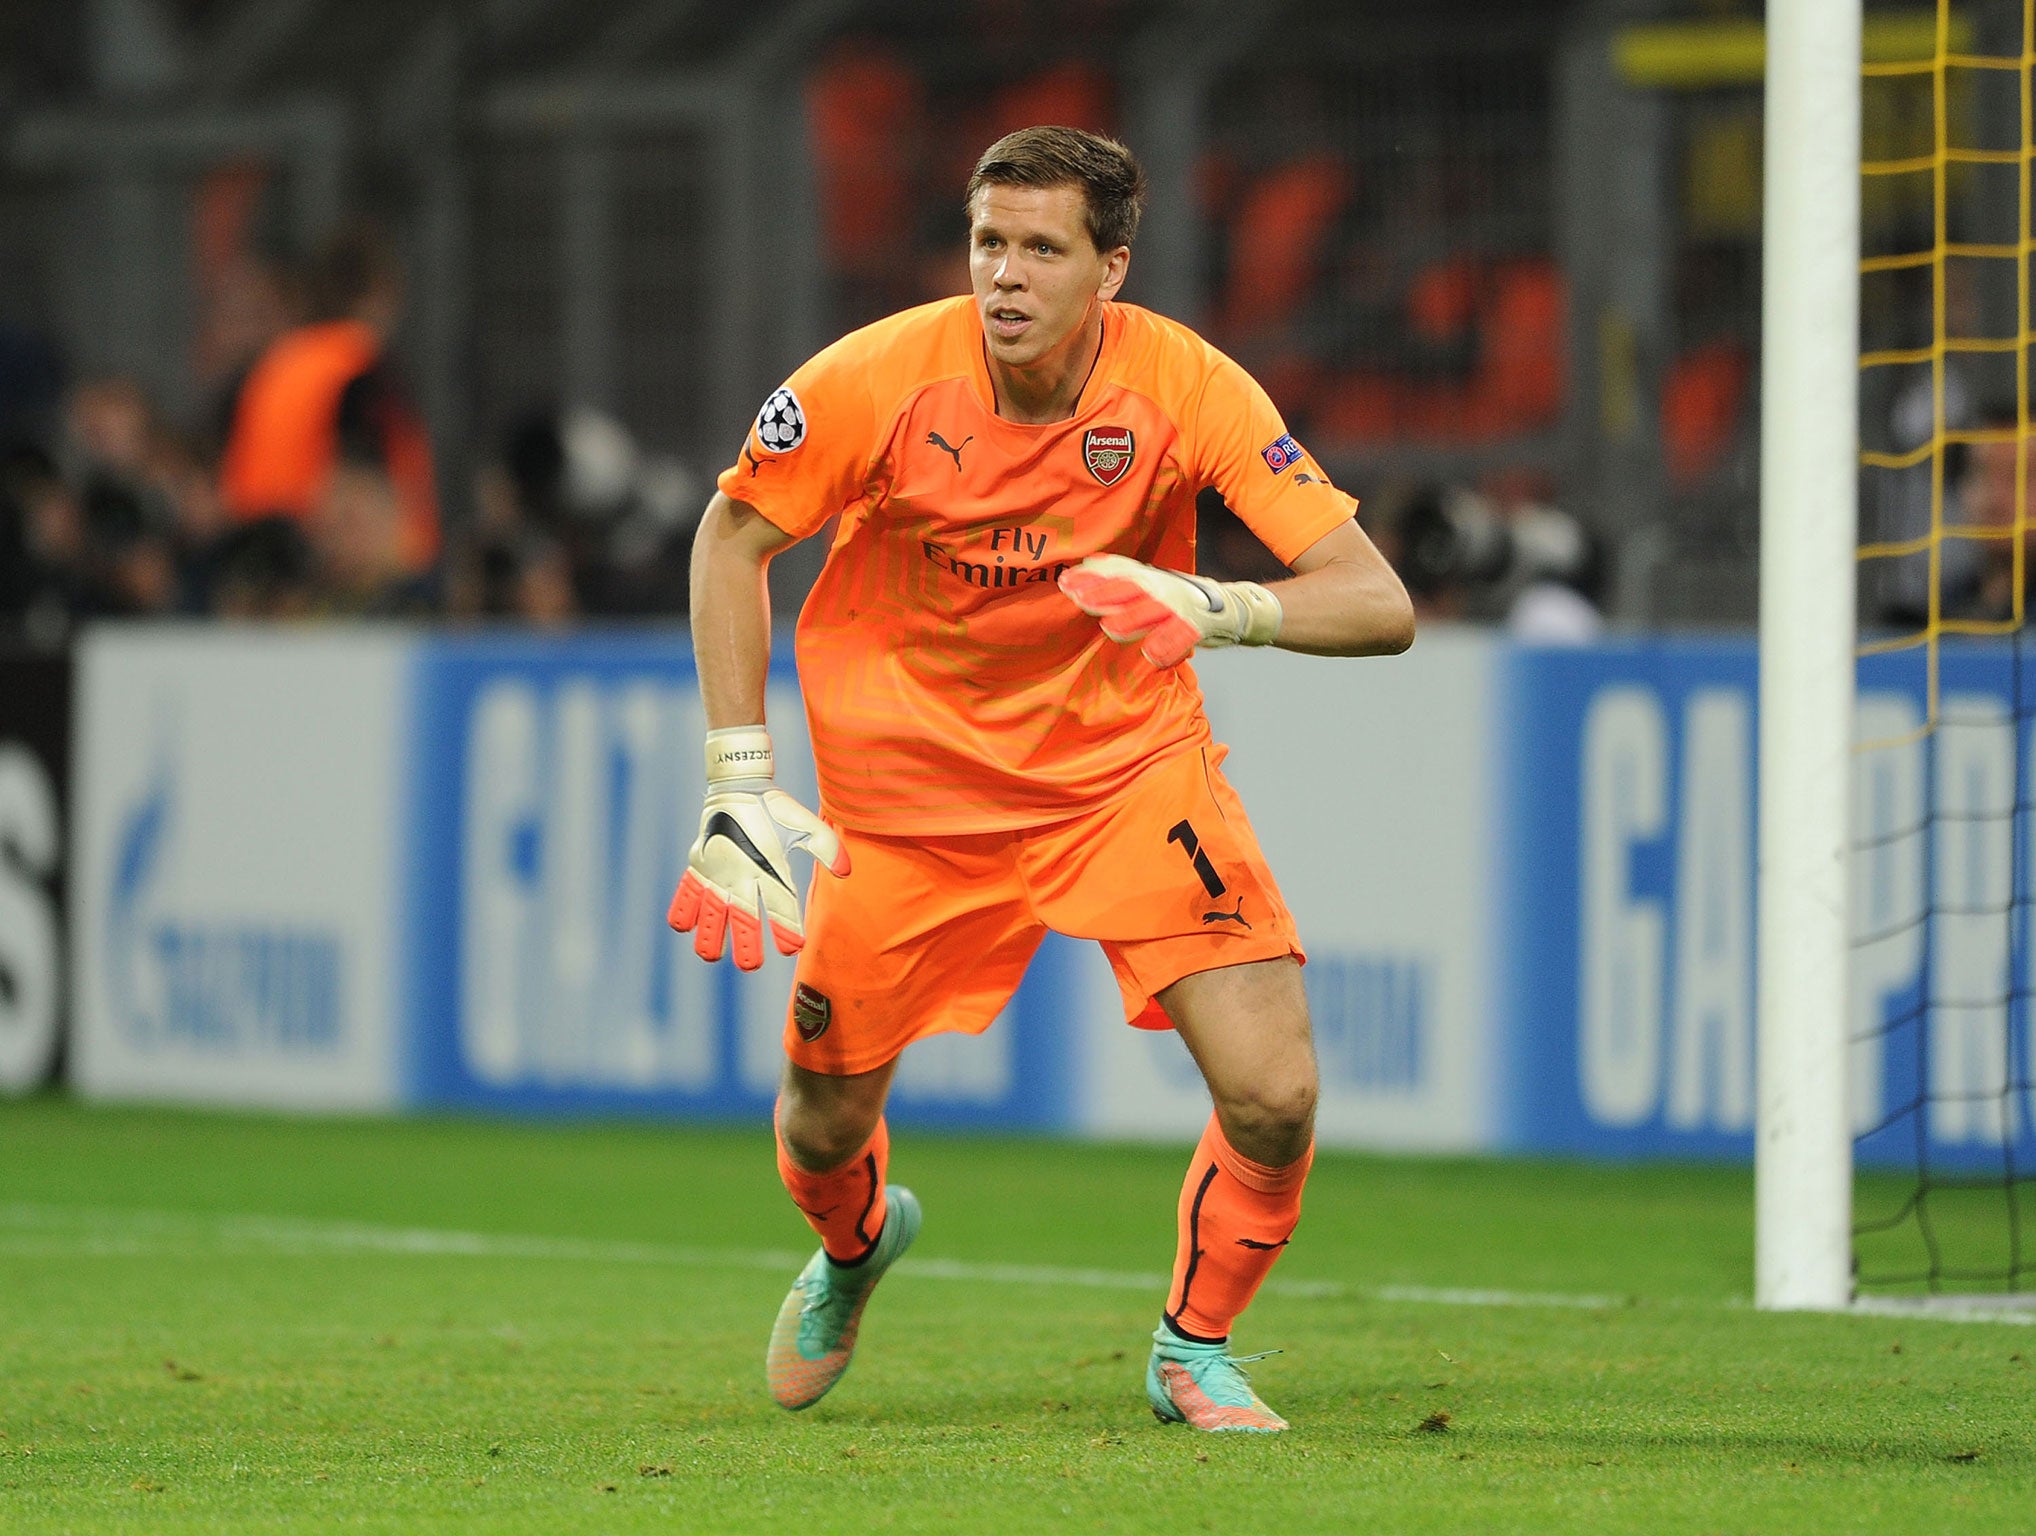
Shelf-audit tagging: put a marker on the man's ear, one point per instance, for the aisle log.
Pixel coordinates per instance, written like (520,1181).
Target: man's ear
(1115,266)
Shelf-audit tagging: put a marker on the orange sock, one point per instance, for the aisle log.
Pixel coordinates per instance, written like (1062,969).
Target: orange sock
(840,1203)
(1235,1217)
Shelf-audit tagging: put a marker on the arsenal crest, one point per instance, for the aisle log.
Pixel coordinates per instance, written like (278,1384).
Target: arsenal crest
(1107,451)
(812,1010)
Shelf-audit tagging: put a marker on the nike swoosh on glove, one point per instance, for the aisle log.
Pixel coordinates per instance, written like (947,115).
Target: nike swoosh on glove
(739,872)
(1170,612)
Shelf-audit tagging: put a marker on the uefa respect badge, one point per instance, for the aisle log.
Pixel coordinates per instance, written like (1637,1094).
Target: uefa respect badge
(1281,452)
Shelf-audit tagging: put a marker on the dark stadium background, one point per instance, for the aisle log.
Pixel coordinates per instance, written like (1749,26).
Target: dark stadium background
(1482,266)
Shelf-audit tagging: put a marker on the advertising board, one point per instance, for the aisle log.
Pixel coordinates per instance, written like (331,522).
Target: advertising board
(35,753)
(370,869)
(1630,838)
(1369,786)
(237,828)
(556,789)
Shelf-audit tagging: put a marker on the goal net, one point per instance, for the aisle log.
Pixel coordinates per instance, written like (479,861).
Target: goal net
(1941,1031)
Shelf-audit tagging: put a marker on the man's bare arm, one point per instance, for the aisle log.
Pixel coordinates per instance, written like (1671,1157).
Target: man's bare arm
(1344,599)
(732,609)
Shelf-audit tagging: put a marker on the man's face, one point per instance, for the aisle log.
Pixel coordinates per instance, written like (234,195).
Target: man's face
(1034,269)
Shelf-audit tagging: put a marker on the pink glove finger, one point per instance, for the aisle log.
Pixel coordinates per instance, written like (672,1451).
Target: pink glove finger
(747,932)
(1127,610)
(1134,621)
(1094,593)
(713,924)
(788,942)
(1171,643)
(685,908)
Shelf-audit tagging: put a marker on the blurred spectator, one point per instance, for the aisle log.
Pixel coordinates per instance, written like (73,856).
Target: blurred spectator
(129,556)
(1073,91)
(245,300)
(108,423)
(1704,397)
(1279,236)
(575,518)
(1480,358)
(1431,552)
(42,547)
(185,481)
(1982,497)
(263,570)
(130,561)
(525,577)
(70,552)
(867,110)
(1506,557)
(1556,568)
(1708,395)
(504,566)
(1899,588)
(151,508)
(326,392)
(357,537)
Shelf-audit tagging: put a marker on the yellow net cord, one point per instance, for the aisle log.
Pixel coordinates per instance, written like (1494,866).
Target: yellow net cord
(1941,68)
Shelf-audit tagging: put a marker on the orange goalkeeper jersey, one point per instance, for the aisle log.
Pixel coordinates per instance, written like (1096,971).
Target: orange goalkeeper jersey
(950,687)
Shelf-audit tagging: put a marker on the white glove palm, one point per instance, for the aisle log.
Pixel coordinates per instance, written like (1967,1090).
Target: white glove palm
(1170,612)
(738,872)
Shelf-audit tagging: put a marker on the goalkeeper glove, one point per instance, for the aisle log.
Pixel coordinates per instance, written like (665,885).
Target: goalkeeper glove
(1172,612)
(738,874)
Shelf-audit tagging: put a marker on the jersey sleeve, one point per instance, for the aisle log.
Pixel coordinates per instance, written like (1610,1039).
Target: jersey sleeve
(1244,450)
(809,450)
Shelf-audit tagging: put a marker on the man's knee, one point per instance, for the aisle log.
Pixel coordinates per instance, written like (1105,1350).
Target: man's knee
(824,1121)
(1271,1119)
(1248,1028)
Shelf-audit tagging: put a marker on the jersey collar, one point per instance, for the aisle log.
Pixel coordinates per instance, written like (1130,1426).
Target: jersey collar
(1092,387)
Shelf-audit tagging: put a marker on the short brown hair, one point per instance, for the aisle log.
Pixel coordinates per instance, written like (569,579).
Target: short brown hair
(1112,184)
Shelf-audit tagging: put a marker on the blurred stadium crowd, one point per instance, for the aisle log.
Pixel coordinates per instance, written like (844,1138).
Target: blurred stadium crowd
(308,487)
(1375,232)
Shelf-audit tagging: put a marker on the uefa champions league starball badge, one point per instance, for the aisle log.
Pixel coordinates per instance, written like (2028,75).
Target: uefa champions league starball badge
(781,424)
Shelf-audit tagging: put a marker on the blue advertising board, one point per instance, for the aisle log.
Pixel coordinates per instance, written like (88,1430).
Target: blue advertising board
(1629,840)
(1627,997)
(556,786)
(1526,878)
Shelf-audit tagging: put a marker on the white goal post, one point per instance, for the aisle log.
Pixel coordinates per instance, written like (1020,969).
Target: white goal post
(1809,434)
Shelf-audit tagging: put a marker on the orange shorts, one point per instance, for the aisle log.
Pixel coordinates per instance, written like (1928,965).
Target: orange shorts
(931,934)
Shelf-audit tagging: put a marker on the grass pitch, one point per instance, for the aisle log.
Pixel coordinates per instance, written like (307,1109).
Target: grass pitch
(223,1323)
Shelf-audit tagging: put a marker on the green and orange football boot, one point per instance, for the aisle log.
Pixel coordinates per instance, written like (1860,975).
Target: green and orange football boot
(814,1337)
(1204,1387)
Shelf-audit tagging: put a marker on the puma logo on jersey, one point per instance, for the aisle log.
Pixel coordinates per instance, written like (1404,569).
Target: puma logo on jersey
(935,440)
(1236,917)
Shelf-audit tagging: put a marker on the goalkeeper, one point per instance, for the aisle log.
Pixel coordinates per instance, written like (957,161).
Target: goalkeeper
(1006,737)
